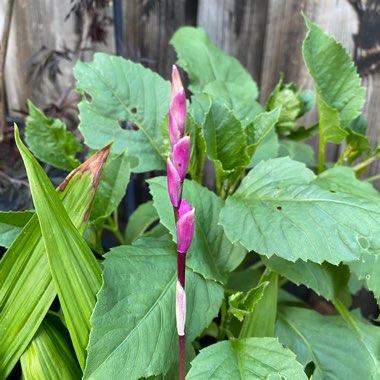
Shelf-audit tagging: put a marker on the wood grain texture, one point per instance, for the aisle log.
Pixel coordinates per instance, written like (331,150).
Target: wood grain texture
(238,27)
(149,25)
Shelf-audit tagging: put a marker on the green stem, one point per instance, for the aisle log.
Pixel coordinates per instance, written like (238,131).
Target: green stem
(257,265)
(321,154)
(345,314)
(373,178)
(365,163)
(113,226)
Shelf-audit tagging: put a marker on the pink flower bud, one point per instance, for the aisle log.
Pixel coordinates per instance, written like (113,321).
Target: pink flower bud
(181,156)
(184,227)
(177,110)
(176,81)
(174,183)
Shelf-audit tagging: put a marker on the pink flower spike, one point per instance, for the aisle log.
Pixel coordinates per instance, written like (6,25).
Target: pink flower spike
(185,227)
(174,183)
(177,117)
(181,156)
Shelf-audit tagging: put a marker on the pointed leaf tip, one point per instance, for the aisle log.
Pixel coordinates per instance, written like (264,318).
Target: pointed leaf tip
(94,166)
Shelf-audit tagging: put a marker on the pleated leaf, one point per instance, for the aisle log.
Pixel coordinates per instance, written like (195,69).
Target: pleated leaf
(112,186)
(280,209)
(75,271)
(246,359)
(134,333)
(25,279)
(50,355)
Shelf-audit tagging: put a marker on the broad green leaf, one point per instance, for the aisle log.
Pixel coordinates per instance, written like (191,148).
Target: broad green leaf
(50,355)
(340,95)
(261,127)
(303,133)
(226,139)
(117,91)
(261,321)
(25,280)
(297,151)
(279,209)
(325,279)
(210,254)
(75,271)
(49,140)
(205,63)
(240,304)
(134,332)
(141,219)
(112,186)
(11,224)
(266,149)
(343,179)
(198,149)
(288,98)
(199,107)
(246,359)
(244,280)
(336,351)
(242,103)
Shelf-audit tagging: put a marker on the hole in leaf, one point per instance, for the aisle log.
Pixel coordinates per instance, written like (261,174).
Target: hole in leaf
(87,96)
(309,369)
(279,208)
(332,191)
(128,125)
(134,110)
(123,124)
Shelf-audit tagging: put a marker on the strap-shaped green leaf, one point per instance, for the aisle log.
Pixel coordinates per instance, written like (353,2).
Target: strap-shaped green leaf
(75,271)
(25,279)
(50,355)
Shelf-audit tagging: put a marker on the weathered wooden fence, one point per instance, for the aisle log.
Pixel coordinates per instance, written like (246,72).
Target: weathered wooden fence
(265,35)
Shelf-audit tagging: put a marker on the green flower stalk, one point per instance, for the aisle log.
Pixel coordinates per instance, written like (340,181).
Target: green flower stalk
(177,164)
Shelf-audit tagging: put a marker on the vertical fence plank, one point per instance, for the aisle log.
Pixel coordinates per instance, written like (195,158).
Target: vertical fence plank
(238,27)
(148,28)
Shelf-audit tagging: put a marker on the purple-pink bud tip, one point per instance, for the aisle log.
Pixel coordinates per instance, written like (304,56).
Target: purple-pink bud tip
(185,226)
(177,110)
